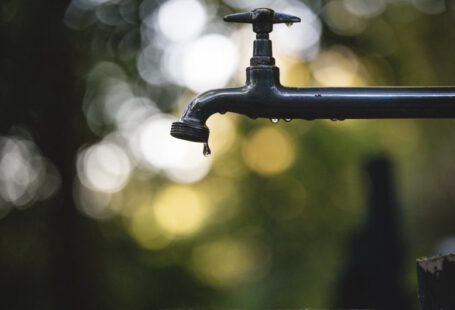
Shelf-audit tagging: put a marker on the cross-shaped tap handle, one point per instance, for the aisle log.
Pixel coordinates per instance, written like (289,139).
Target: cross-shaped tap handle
(262,19)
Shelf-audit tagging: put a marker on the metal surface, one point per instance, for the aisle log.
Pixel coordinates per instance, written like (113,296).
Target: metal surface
(262,19)
(264,96)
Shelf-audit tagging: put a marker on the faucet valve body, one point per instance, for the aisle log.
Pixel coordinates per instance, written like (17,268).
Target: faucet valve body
(262,20)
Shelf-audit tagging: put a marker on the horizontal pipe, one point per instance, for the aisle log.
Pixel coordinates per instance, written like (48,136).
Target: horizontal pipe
(362,103)
(259,100)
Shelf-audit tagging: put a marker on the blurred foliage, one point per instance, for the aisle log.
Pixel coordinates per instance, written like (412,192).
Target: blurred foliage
(266,221)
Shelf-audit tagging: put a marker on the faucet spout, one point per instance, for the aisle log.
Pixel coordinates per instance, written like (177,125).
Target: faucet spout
(192,125)
(252,100)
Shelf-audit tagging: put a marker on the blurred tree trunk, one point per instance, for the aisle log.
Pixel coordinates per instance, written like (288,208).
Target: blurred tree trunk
(372,277)
(42,94)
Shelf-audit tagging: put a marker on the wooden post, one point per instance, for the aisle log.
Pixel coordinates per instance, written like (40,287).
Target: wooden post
(436,277)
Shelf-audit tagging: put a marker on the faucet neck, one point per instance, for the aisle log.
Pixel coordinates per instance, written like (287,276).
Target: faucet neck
(262,51)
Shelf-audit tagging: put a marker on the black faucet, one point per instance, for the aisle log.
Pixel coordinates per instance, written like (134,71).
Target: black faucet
(264,96)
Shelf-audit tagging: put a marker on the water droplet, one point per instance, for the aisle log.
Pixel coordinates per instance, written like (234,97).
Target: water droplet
(274,120)
(288,120)
(289,24)
(207,150)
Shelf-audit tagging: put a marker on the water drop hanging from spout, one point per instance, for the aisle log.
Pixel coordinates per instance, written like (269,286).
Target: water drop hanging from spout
(274,120)
(207,150)
(289,24)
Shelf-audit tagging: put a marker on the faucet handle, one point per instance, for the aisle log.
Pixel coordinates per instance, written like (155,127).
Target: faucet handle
(262,19)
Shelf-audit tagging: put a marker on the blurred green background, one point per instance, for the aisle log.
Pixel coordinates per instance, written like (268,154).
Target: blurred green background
(101,209)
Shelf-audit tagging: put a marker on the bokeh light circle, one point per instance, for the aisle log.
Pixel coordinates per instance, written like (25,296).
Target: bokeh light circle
(209,62)
(180,211)
(180,20)
(269,151)
(228,262)
(104,167)
(155,148)
(146,231)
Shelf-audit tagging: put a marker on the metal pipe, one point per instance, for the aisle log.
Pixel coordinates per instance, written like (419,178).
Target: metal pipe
(264,96)
(368,102)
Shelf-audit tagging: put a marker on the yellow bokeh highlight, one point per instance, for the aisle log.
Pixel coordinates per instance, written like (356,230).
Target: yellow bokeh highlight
(228,262)
(268,151)
(337,67)
(294,72)
(222,133)
(145,230)
(176,212)
(180,211)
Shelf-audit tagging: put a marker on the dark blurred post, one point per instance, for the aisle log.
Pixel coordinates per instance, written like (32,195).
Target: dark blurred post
(436,276)
(41,94)
(372,277)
